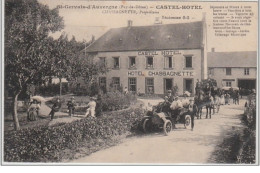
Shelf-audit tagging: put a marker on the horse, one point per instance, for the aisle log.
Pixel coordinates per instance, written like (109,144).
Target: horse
(209,103)
(198,101)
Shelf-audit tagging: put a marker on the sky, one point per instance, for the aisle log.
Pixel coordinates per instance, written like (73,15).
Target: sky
(83,23)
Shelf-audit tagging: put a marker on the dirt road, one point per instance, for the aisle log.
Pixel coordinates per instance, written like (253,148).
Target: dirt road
(181,146)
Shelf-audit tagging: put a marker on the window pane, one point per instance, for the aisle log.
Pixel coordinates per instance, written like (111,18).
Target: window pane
(149,62)
(188,61)
(150,86)
(116,62)
(228,71)
(132,84)
(131,62)
(170,62)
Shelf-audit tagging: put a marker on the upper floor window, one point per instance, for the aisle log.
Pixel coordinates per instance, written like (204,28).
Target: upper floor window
(116,62)
(228,71)
(168,62)
(246,71)
(102,60)
(132,62)
(149,62)
(188,61)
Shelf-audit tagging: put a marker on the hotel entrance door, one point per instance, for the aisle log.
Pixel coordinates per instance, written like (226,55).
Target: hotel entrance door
(168,85)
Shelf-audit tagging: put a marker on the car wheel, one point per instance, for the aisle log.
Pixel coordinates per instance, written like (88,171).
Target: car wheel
(167,127)
(145,127)
(187,122)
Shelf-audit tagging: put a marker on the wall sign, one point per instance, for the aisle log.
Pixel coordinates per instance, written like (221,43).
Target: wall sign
(160,73)
(163,52)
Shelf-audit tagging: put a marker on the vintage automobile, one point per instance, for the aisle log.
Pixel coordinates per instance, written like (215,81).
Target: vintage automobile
(160,117)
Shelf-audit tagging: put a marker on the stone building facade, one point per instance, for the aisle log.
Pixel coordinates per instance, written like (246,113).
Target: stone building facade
(152,59)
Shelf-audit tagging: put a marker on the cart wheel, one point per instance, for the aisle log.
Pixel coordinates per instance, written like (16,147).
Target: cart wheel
(167,127)
(187,123)
(145,128)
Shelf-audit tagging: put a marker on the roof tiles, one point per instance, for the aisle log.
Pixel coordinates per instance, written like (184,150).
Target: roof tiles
(155,37)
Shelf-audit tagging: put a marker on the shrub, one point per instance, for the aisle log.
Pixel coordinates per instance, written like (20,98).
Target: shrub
(47,143)
(116,101)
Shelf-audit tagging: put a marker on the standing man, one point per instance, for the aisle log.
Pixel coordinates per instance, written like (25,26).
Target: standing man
(71,106)
(198,86)
(193,110)
(55,108)
(170,96)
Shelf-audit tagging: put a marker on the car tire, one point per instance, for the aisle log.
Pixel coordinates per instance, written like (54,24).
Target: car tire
(167,127)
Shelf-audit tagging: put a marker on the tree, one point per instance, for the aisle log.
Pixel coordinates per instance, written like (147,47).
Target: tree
(27,44)
(87,69)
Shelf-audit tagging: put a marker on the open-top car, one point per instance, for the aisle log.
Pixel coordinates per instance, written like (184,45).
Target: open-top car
(162,117)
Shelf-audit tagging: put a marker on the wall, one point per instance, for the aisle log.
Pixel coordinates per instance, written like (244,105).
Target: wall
(178,73)
(236,73)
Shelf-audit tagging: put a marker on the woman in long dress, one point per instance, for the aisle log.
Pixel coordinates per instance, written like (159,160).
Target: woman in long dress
(222,100)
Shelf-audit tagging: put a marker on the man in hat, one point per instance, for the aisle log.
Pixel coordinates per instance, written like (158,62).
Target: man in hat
(91,107)
(55,108)
(193,109)
(170,96)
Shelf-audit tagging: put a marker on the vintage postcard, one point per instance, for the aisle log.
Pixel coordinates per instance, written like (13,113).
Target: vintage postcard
(130,82)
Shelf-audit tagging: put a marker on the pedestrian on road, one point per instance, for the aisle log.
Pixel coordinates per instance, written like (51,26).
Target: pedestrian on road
(193,109)
(55,108)
(91,107)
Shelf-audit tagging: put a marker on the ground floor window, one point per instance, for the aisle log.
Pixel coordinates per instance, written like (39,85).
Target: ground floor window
(188,85)
(228,83)
(103,83)
(149,85)
(116,83)
(132,84)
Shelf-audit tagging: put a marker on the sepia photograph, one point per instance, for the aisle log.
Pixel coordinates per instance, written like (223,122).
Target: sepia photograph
(129,83)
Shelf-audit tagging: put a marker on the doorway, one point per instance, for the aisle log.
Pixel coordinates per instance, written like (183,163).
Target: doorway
(188,85)
(168,84)
(247,83)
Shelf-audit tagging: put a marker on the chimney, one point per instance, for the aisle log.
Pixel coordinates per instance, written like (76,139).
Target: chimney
(212,49)
(129,23)
(92,39)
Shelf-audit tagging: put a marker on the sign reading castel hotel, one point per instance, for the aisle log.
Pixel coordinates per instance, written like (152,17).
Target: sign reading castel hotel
(152,59)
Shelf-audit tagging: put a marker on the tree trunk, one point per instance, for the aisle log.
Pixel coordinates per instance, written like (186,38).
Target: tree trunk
(15,115)
(60,87)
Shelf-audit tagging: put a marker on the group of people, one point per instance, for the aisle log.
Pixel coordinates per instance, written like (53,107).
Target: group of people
(225,97)
(176,106)
(91,107)
(34,107)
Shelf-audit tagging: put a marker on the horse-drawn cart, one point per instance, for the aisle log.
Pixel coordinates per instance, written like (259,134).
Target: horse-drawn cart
(161,117)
